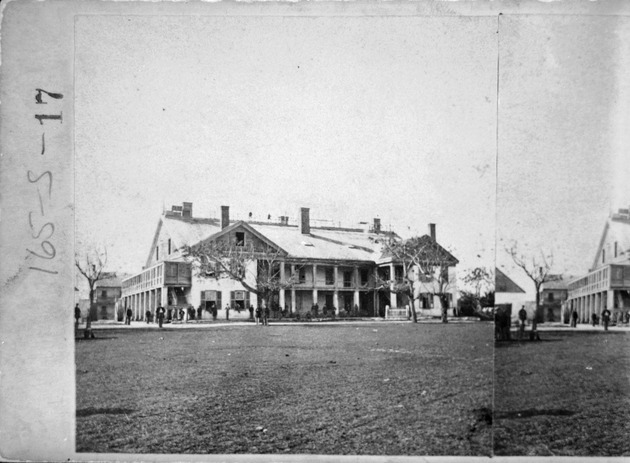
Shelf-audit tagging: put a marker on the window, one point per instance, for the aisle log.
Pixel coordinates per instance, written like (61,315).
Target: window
(240,238)
(330,276)
(364,276)
(347,279)
(550,297)
(104,294)
(302,275)
(239,300)
(444,274)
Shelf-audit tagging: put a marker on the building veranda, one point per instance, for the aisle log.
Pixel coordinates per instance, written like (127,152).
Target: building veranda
(330,269)
(607,284)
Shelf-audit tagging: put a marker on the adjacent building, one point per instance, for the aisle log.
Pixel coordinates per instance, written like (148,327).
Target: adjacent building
(108,293)
(334,267)
(607,284)
(508,293)
(553,295)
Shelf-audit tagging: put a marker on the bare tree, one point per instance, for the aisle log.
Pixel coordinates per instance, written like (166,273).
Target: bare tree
(92,266)
(480,280)
(537,268)
(229,259)
(425,265)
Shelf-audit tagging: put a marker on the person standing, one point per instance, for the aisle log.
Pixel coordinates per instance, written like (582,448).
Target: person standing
(199,312)
(77,317)
(227,311)
(266,316)
(606,318)
(251,312)
(160,315)
(147,315)
(129,314)
(574,318)
(258,314)
(522,317)
(594,319)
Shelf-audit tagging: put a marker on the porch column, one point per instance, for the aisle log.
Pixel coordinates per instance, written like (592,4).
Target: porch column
(336,301)
(282,280)
(293,302)
(376,294)
(610,299)
(314,283)
(336,291)
(356,299)
(164,296)
(356,284)
(392,295)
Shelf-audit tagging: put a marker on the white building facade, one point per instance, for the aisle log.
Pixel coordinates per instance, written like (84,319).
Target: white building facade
(333,267)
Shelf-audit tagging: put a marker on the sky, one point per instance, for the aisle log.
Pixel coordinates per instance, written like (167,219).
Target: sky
(564,142)
(356,118)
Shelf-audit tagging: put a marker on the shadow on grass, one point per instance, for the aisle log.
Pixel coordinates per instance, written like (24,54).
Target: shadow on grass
(533,412)
(519,342)
(97,338)
(103,411)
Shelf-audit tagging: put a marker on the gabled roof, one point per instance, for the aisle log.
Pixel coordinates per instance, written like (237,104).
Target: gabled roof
(504,284)
(245,226)
(322,243)
(436,249)
(619,228)
(183,231)
(111,280)
(556,282)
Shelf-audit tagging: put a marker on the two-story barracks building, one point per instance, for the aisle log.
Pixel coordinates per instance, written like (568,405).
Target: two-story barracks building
(607,284)
(336,267)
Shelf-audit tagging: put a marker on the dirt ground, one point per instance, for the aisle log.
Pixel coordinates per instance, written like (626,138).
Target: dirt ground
(396,389)
(566,395)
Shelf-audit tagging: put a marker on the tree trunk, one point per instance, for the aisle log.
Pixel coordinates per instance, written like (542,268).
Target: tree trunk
(414,315)
(88,333)
(443,306)
(534,334)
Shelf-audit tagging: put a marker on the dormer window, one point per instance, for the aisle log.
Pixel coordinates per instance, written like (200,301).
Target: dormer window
(306,243)
(240,238)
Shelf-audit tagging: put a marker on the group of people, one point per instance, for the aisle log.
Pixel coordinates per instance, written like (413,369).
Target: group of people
(262,314)
(594,318)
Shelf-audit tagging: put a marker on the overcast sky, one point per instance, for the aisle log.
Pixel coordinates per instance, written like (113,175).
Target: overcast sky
(356,118)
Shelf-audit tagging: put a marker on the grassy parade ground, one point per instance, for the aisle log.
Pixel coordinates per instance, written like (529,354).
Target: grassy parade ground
(370,388)
(566,395)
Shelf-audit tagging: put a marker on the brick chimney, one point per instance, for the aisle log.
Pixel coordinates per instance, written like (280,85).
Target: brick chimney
(305,225)
(432,230)
(187,210)
(225,216)
(377,225)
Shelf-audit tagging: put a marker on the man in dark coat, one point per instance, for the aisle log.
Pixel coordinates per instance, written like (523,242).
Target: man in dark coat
(77,316)
(129,314)
(522,317)
(605,318)
(574,318)
(159,312)
(266,316)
